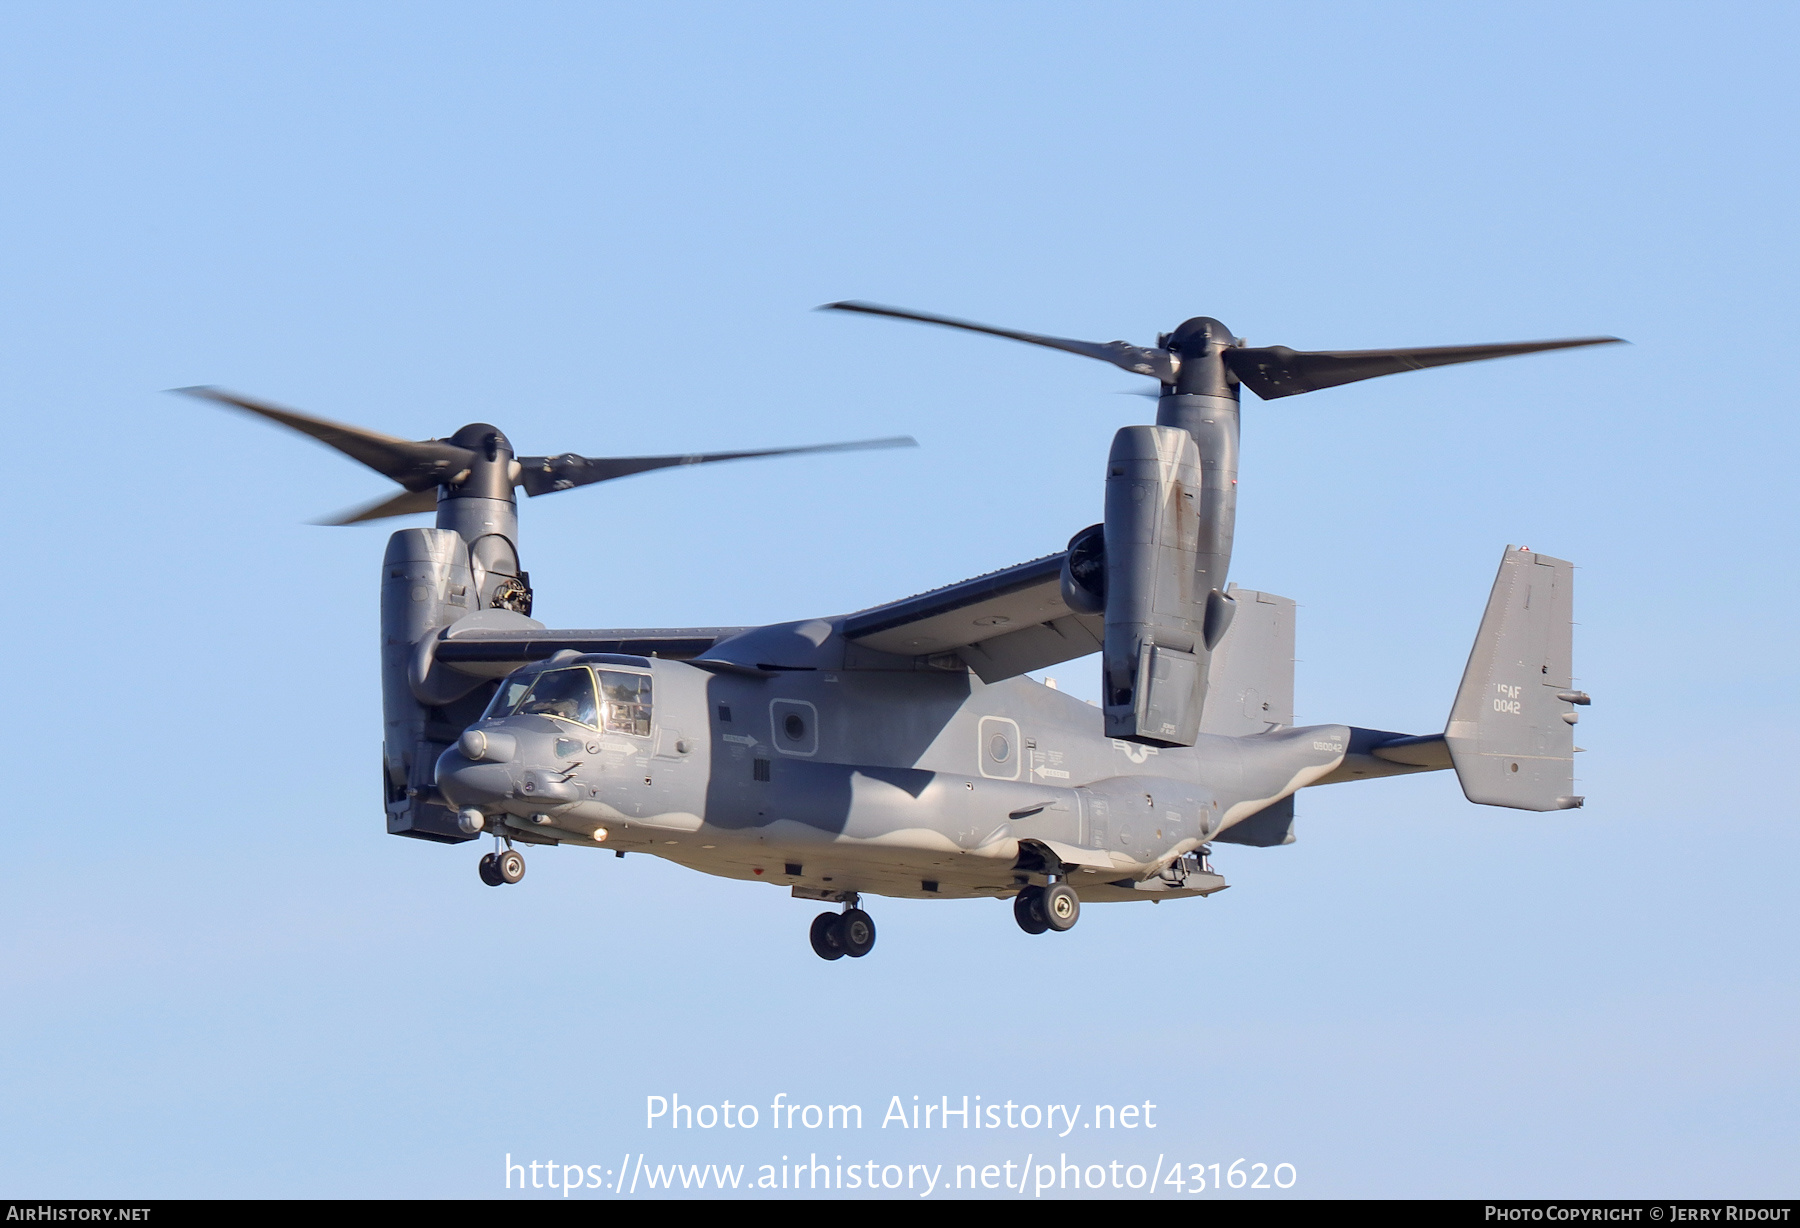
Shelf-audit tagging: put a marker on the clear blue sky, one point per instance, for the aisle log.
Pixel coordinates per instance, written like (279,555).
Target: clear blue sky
(603,228)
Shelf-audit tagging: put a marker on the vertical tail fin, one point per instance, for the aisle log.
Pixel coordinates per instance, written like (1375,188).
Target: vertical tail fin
(1512,729)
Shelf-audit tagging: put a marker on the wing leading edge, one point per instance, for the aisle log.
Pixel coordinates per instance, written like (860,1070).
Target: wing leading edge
(1002,624)
(493,653)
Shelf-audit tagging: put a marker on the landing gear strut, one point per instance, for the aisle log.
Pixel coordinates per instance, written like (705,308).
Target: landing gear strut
(837,934)
(501,867)
(1055,907)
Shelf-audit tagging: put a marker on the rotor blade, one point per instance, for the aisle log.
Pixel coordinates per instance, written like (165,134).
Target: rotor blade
(1138,359)
(543,475)
(416,465)
(1276,371)
(406,503)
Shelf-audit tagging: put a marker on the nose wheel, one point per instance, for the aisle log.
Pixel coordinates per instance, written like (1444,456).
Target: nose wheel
(837,934)
(825,942)
(1055,907)
(499,869)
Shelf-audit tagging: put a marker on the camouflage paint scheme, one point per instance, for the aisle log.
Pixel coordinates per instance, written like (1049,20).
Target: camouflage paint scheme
(924,781)
(904,750)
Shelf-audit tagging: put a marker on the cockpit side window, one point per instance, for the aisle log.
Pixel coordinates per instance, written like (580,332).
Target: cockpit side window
(627,700)
(564,693)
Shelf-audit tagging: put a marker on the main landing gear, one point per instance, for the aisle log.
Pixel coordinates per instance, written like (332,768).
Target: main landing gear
(501,867)
(837,934)
(1055,907)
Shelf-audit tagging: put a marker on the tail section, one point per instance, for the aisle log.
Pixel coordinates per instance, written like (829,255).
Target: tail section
(1512,729)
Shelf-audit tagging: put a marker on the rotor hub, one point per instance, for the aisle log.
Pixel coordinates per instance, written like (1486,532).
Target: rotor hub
(491,471)
(1198,346)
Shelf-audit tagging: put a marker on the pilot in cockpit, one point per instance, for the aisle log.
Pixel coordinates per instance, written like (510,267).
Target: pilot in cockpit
(565,693)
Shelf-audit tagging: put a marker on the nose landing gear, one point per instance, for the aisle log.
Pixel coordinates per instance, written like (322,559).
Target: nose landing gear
(825,942)
(851,932)
(1055,907)
(1062,907)
(856,930)
(1028,910)
(499,868)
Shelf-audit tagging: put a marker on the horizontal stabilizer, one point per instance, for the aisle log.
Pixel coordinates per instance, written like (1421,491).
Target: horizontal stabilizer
(1512,729)
(1421,751)
(1371,754)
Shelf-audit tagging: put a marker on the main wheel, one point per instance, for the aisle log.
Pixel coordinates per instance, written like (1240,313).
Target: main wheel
(856,930)
(485,868)
(1062,907)
(825,942)
(510,866)
(1028,910)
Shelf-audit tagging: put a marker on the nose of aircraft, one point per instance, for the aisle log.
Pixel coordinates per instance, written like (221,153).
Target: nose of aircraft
(466,781)
(496,769)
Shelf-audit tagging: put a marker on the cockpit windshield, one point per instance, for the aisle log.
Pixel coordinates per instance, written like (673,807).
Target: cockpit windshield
(564,693)
(507,698)
(569,695)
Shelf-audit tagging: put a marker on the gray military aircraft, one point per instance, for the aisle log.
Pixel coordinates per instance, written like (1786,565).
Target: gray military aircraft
(902,750)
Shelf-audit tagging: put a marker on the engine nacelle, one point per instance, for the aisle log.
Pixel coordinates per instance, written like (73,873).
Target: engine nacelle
(426,585)
(1161,618)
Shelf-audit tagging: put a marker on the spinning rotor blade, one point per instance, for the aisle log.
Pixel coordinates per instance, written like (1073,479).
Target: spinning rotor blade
(423,466)
(544,475)
(416,465)
(406,503)
(1276,371)
(1138,359)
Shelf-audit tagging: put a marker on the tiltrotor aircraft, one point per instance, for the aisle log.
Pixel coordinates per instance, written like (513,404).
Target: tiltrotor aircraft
(902,750)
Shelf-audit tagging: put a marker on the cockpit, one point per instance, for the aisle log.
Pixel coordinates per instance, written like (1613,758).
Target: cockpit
(613,700)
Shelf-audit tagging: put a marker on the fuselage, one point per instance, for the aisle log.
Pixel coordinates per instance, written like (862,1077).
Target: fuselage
(922,783)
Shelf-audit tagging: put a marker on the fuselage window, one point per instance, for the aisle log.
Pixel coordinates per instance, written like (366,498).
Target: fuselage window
(627,701)
(564,693)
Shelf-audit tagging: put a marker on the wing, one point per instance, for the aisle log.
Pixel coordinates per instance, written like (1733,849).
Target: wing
(1002,624)
(494,653)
